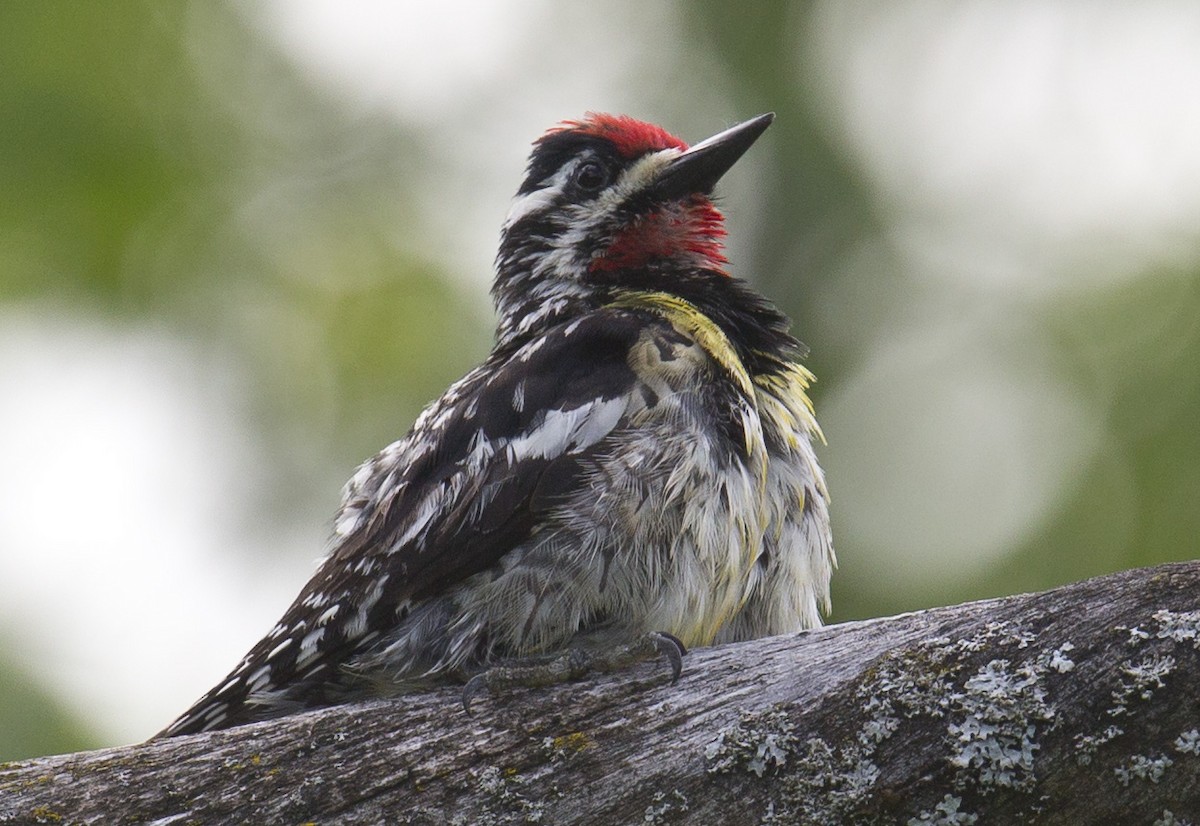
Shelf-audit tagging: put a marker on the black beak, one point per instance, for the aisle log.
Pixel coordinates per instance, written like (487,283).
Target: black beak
(698,169)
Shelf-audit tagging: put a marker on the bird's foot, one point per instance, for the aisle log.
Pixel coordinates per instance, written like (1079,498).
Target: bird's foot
(574,664)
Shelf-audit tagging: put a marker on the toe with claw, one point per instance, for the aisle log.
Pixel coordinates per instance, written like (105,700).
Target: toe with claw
(574,664)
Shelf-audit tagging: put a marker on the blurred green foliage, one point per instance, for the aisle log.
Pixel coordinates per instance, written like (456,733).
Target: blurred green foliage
(32,722)
(87,151)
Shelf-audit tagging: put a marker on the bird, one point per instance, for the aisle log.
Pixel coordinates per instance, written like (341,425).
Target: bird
(631,472)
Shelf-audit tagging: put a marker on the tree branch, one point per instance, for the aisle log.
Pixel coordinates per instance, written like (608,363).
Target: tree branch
(1073,706)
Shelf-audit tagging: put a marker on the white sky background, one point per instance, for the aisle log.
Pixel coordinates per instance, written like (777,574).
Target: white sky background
(1011,142)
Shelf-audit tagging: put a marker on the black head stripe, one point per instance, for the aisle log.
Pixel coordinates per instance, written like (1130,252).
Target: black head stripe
(559,148)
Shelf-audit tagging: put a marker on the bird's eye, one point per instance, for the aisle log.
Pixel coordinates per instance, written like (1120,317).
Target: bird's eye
(591,176)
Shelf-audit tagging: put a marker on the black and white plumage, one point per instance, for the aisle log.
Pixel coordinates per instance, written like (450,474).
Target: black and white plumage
(634,456)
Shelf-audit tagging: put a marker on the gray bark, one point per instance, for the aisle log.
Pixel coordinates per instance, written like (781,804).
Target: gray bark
(1072,706)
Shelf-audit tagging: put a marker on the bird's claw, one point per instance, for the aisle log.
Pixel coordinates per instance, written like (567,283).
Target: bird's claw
(475,686)
(669,646)
(574,664)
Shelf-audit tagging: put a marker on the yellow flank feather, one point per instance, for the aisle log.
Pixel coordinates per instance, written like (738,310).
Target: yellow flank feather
(788,393)
(687,318)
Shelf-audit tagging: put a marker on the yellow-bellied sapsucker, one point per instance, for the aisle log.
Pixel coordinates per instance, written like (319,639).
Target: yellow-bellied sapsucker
(634,459)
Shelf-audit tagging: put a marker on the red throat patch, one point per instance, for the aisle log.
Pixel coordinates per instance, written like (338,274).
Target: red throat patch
(691,231)
(631,137)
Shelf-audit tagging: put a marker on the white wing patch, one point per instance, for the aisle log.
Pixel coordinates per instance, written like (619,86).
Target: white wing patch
(558,432)
(568,431)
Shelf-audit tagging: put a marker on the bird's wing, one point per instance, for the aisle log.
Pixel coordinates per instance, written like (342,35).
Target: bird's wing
(470,482)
